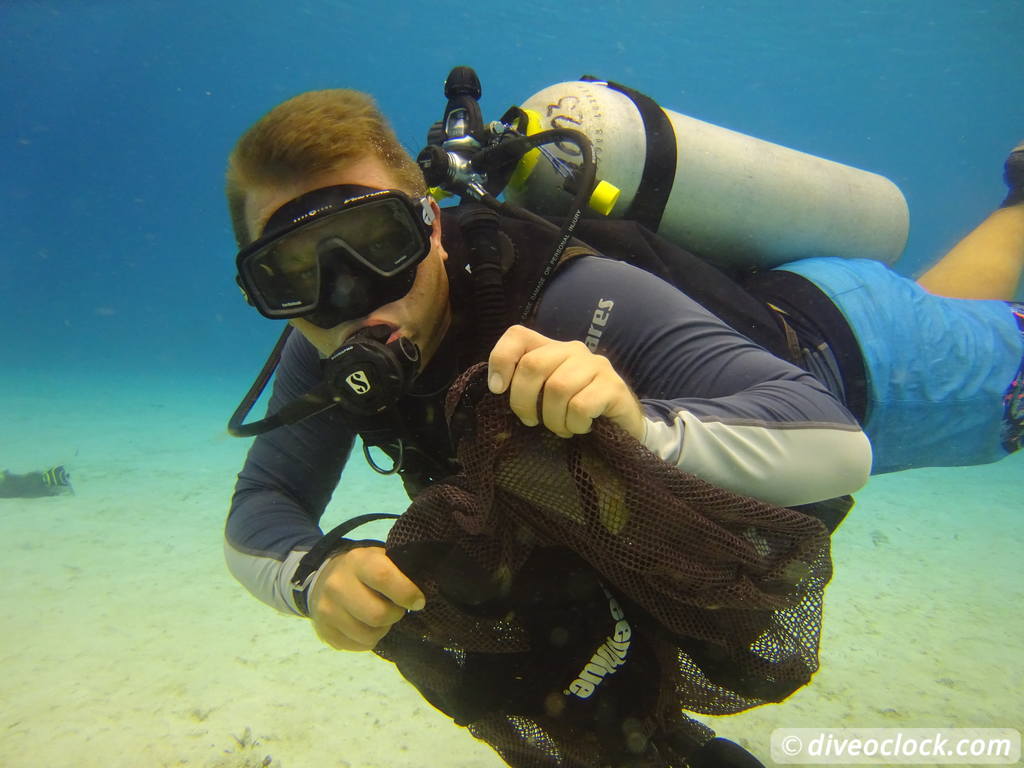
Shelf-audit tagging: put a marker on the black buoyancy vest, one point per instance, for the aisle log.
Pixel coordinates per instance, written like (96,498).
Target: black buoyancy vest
(428,454)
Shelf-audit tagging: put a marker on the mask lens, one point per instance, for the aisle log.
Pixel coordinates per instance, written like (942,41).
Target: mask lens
(376,237)
(384,236)
(287,279)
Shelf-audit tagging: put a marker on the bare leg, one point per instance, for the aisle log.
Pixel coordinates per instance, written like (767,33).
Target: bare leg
(987,264)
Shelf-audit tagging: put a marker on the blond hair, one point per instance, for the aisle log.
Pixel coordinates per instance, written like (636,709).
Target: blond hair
(309,135)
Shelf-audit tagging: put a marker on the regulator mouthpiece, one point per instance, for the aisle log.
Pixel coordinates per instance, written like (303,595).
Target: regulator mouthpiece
(365,376)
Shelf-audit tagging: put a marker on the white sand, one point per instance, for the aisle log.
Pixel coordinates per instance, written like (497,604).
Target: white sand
(125,642)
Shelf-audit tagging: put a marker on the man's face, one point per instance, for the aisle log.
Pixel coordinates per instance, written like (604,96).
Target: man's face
(422,315)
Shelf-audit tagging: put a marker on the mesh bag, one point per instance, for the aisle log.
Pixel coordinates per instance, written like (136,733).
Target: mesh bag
(582,594)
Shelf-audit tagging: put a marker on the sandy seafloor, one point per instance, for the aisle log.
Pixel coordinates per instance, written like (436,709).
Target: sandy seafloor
(125,642)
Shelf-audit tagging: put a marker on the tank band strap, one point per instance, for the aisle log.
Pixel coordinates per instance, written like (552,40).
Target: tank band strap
(1013,420)
(659,172)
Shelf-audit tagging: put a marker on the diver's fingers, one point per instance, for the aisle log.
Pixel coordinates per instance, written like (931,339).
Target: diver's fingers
(347,604)
(502,362)
(349,635)
(532,381)
(522,362)
(608,395)
(564,411)
(378,572)
(581,384)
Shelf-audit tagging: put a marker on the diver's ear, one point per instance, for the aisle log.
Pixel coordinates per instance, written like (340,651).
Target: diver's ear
(435,229)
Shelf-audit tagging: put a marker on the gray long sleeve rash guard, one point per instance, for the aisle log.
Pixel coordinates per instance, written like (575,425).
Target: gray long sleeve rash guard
(715,404)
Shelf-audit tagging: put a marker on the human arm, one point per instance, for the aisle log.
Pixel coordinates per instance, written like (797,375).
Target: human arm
(281,493)
(713,403)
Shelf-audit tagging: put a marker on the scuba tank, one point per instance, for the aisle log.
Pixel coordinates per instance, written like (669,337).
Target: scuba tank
(732,199)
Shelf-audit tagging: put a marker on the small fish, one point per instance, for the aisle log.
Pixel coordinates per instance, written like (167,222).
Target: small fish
(51,482)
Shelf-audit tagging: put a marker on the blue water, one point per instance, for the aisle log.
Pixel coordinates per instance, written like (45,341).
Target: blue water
(118,116)
(116,263)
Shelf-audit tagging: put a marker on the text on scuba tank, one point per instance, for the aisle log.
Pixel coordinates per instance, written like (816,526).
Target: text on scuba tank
(567,112)
(609,656)
(598,322)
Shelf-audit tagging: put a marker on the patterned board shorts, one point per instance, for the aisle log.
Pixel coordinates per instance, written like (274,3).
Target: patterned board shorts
(1013,429)
(937,368)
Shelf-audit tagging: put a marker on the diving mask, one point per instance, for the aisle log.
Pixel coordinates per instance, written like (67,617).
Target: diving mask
(336,254)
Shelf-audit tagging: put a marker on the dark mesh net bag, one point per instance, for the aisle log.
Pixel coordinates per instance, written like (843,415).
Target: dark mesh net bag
(582,595)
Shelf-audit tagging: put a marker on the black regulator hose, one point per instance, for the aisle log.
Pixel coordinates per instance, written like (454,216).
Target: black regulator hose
(479,224)
(235,426)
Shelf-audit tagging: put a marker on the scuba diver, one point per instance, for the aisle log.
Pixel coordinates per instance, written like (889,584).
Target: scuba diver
(54,481)
(772,385)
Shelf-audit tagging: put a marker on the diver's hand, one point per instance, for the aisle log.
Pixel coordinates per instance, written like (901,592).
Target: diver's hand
(574,385)
(357,597)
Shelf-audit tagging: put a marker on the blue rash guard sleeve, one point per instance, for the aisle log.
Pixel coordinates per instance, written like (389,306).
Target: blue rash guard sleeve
(716,404)
(284,486)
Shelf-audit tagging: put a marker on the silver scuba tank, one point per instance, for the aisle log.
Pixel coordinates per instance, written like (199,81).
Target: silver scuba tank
(732,199)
